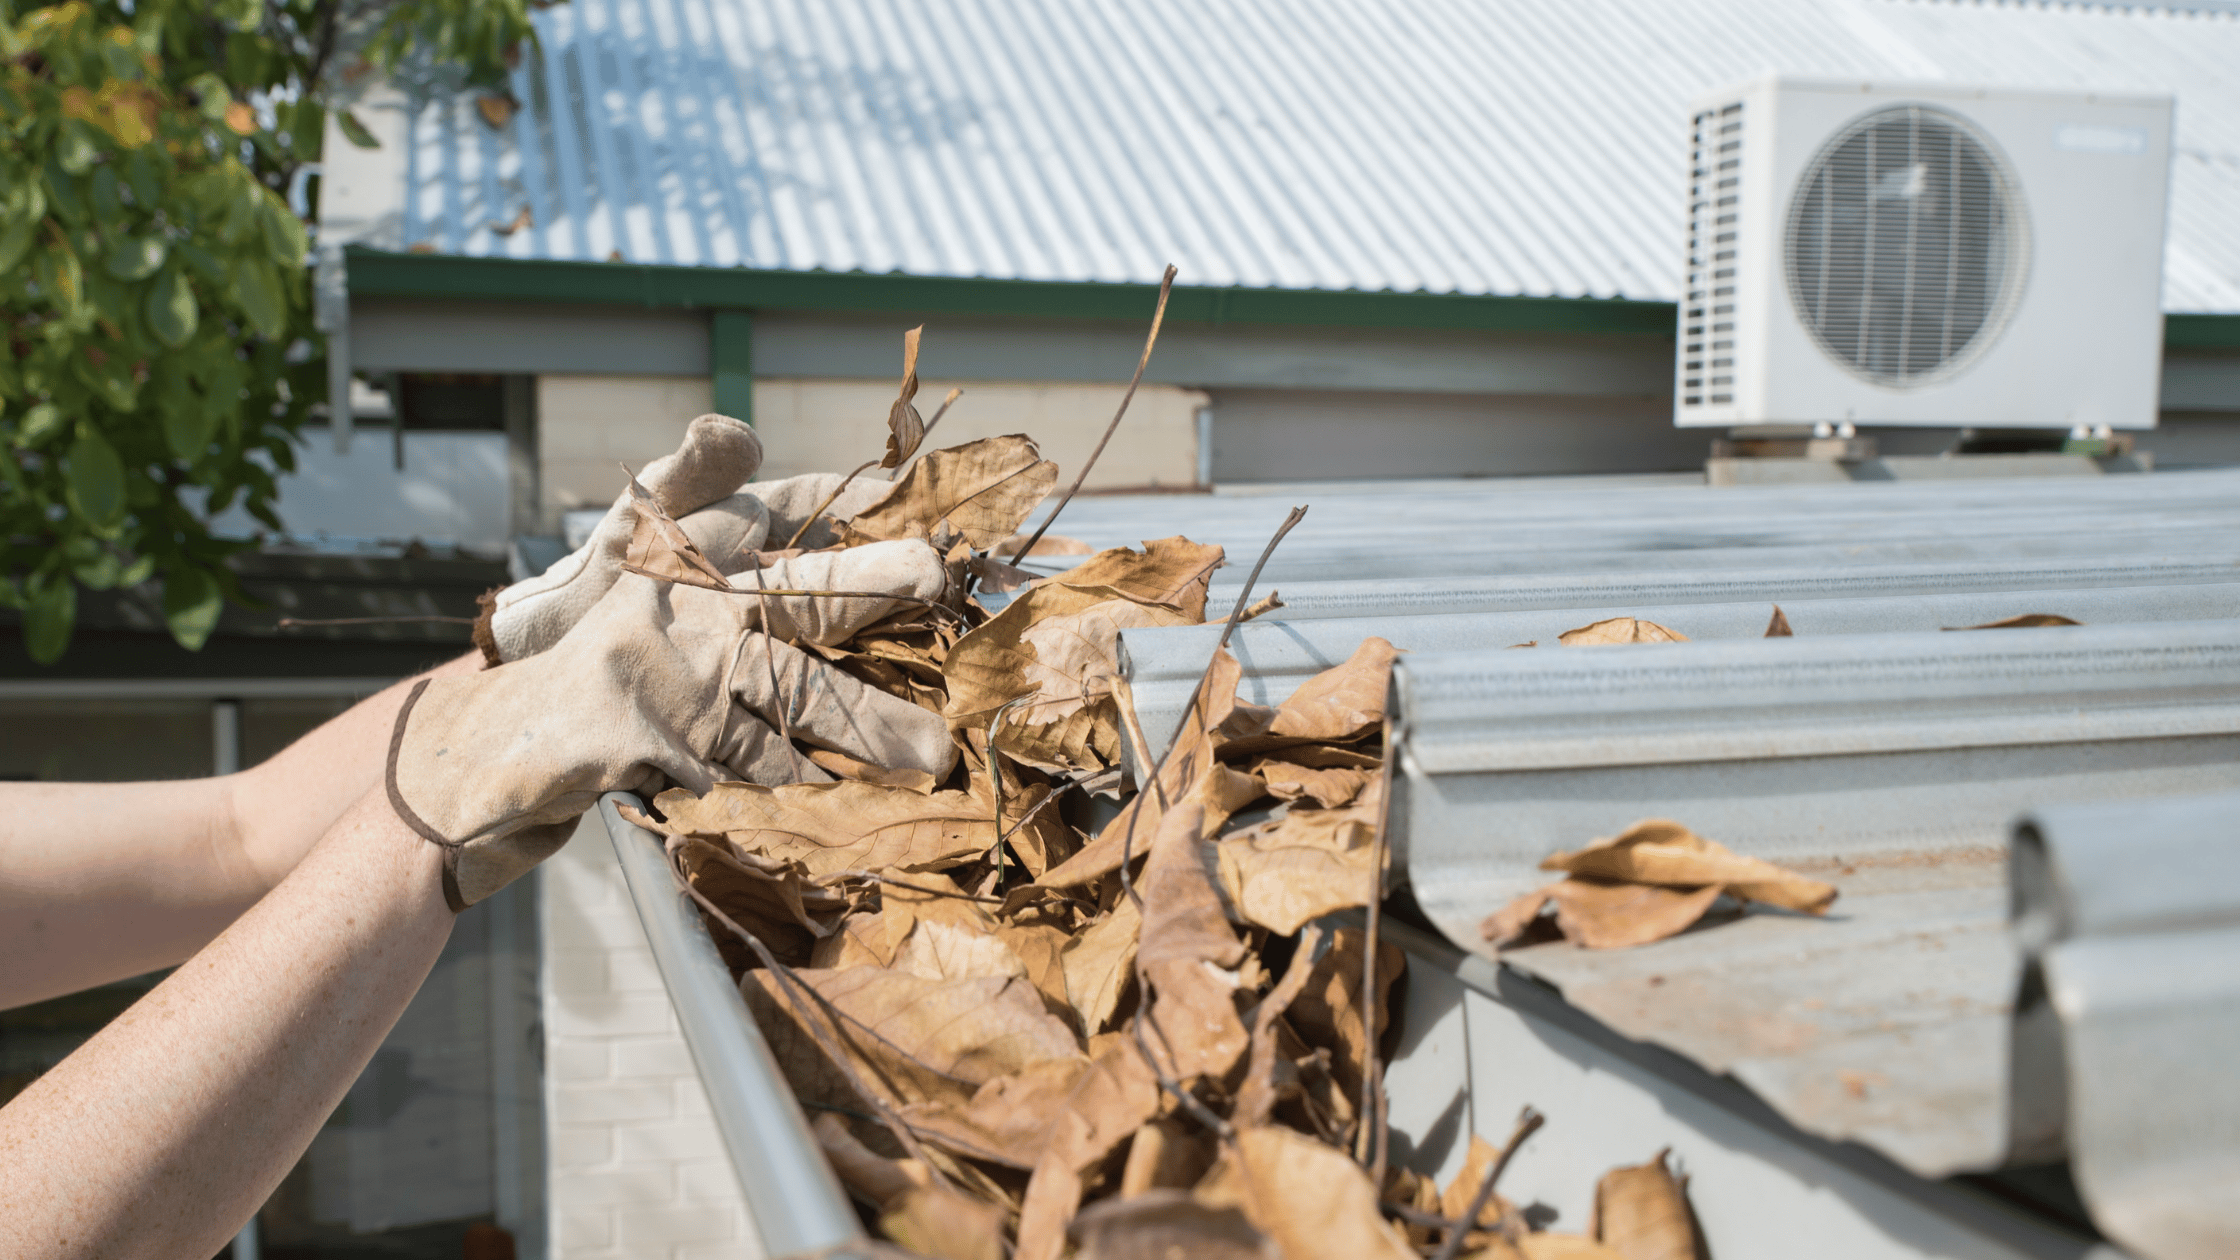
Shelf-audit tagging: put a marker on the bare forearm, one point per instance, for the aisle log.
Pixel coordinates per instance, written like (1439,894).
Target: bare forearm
(100,881)
(161,1135)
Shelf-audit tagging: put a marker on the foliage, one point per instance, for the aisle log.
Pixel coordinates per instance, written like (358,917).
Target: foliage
(159,353)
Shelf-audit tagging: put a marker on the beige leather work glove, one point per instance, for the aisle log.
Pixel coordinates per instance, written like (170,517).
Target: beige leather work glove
(657,683)
(698,487)
(701,488)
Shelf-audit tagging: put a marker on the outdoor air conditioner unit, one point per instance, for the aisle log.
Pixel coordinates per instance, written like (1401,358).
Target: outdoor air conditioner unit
(1923,254)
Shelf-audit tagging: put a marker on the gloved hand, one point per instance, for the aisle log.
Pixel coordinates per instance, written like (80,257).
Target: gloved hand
(656,682)
(701,488)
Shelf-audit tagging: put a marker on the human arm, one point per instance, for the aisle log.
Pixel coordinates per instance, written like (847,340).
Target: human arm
(161,1135)
(101,881)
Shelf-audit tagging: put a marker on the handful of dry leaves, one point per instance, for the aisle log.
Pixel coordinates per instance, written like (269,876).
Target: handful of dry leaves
(1037,1008)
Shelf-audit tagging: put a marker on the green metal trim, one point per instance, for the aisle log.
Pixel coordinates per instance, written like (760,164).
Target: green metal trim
(731,362)
(2201,331)
(378,274)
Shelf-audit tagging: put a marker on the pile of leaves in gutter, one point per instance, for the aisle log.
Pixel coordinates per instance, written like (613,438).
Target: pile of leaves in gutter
(1074,998)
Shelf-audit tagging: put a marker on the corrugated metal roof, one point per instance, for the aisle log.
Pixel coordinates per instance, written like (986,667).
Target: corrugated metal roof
(1507,147)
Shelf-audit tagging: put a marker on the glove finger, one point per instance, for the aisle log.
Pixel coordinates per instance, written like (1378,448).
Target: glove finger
(717,457)
(753,752)
(906,567)
(792,499)
(827,707)
(726,528)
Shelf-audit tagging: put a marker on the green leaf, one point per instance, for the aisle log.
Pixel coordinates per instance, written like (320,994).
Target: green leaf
(204,262)
(100,571)
(137,572)
(96,479)
(257,289)
(191,604)
(211,95)
(74,149)
(15,239)
(140,174)
(241,15)
(62,190)
(188,427)
(60,279)
(283,233)
(136,258)
(39,424)
(173,315)
(49,610)
(108,207)
(354,131)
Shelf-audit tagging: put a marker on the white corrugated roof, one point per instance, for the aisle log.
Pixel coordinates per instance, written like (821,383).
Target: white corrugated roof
(1512,147)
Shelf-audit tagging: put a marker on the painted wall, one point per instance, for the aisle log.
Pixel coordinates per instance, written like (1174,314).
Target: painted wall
(637,1171)
(589,424)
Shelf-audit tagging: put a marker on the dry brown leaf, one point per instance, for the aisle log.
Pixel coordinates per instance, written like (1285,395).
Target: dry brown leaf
(1338,705)
(870,1175)
(912,1039)
(1256,1097)
(1112,1099)
(1641,1213)
(1166,1155)
(944,1224)
(1601,915)
(496,109)
(1455,1200)
(1510,923)
(1309,1198)
(1099,965)
(871,939)
(905,427)
(1063,726)
(1620,630)
(1660,851)
(660,548)
(982,490)
(1297,868)
(1166,1224)
(773,899)
(1778,628)
(1040,948)
(1187,952)
(526,218)
(2023,622)
(847,767)
(1008,1120)
(944,951)
(831,827)
(1289,781)
(1171,572)
(1191,774)
(1328,1012)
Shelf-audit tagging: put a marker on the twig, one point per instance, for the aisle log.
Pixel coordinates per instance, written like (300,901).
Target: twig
(292,623)
(789,593)
(1236,614)
(1039,806)
(1158,315)
(1263,606)
(825,881)
(1372,1066)
(770,657)
(1126,702)
(802,994)
(1528,1120)
(939,412)
(811,518)
(1198,1110)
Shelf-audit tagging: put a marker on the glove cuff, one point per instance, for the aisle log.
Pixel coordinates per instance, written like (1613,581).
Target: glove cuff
(411,817)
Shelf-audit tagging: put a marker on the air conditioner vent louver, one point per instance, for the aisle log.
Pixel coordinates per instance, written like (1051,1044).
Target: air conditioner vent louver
(1906,246)
(1707,315)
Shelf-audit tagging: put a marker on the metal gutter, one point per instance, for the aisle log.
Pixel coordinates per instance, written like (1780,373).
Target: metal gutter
(1887,764)
(376,273)
(1163,664)
(796,1203)
(2130,916)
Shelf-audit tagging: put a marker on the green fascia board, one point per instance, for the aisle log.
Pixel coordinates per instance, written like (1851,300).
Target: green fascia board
(2202,332)
(380,274)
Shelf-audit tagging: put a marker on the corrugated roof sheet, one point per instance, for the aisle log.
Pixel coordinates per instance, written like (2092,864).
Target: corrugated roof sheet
(1510,147)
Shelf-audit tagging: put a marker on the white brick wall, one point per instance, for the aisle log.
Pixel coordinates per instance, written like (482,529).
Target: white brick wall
(637,1168)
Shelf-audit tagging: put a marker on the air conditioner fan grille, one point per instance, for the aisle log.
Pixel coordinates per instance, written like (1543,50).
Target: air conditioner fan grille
(1906,245)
